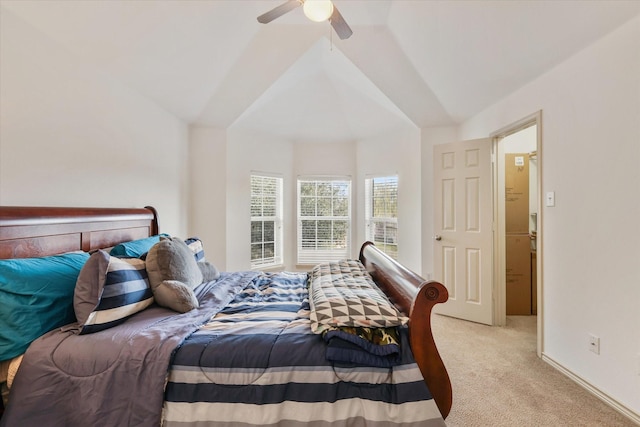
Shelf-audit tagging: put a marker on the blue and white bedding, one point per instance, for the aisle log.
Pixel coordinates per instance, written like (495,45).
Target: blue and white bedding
(258,363)
(114,377)
(246,357)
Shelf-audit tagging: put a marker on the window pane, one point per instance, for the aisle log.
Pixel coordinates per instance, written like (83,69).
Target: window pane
(392,251)
(340,233)
(341,189)
(256,251)
(256,231)
(324,235)
(269,250)
(308,206)
(266,215)
(324,221)
(256,206)
(324,189)
(340,207)
(385,197)
(269,206)
(307,188)
(392,230)
(308,234)
(269,231)
(324,207)
(382,212)
(269,187)
(256,184)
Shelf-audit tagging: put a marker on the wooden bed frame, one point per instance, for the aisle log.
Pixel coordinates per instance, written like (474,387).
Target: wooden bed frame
(41,231)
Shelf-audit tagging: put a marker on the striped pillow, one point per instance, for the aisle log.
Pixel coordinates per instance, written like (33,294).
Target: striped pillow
(109,290)
(196,246)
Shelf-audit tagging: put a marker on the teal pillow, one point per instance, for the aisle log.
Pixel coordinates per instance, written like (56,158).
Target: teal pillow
(36,296)
(135,248)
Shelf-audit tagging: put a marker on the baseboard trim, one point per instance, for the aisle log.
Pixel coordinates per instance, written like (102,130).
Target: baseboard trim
(621,408)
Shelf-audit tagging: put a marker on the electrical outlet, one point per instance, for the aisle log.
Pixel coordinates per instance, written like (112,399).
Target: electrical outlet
(594,344)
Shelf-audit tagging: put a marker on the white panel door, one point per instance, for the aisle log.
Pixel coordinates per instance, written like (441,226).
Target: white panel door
(463,218)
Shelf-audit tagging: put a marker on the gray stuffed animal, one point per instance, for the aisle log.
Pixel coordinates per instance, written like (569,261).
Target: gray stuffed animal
(174,272)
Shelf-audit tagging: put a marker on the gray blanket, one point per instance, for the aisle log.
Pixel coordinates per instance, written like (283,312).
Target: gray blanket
(114,377)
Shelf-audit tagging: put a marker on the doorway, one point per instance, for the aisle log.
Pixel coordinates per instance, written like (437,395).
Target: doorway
(469,224)
(518,222)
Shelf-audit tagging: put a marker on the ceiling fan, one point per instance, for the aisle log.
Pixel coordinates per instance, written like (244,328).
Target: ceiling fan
(316,10)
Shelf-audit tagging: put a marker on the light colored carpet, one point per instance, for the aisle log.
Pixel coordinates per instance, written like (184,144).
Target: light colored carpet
(498,380)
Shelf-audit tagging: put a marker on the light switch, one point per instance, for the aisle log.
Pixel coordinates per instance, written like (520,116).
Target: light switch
(551,198)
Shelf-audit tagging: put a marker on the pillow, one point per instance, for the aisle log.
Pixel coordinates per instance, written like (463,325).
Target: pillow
(108,290)
(342,293)
(135,248)
(209,271)
(195,244)
(36,296)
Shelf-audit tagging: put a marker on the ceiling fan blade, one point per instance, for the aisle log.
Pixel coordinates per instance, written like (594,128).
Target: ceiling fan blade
(340,25)
(277,12)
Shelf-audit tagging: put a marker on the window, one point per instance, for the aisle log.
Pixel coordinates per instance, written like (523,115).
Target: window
(266,221)
(381,213)
(324,219)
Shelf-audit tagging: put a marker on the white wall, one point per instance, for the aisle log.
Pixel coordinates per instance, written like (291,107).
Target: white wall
(249,152)
(71,136)
(591,147)
(328,159)
(220,203)
(396,153)
(208,191)
(222,193)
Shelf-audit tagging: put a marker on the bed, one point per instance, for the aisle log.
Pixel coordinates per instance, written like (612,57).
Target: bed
(244,357)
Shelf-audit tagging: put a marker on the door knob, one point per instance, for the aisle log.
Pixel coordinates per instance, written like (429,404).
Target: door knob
(437,237)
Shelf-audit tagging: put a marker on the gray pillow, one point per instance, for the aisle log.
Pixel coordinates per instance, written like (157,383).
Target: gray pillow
(108,290)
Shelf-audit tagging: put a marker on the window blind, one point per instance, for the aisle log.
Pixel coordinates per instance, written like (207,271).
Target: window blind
(381,213)
(266,221)
(324,219)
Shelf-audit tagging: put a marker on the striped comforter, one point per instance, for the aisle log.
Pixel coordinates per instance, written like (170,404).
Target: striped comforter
(257,363)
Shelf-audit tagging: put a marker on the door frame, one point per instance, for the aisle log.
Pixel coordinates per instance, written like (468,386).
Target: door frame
(499,236)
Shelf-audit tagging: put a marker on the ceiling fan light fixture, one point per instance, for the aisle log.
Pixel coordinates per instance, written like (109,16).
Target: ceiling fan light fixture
(318,10)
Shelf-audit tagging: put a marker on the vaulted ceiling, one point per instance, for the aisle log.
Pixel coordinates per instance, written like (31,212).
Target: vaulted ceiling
(409,63)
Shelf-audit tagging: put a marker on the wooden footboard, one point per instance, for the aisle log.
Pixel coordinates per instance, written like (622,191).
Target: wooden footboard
(415,297)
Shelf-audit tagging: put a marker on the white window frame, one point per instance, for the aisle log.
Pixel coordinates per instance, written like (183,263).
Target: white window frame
(258,199)
(382,227)
(324,251)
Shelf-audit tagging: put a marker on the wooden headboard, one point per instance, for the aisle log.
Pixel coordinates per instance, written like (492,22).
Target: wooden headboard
(41,231)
